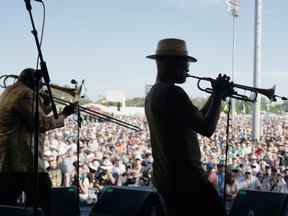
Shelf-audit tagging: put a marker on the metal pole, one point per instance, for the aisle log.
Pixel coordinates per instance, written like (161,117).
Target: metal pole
(233,106)
(234,9)
(256,130)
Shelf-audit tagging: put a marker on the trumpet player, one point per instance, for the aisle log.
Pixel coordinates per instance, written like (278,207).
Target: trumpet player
(174,123)
(16,150)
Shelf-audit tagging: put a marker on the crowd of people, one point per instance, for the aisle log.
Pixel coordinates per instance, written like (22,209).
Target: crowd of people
(254,166)
(109,154)
(113,155)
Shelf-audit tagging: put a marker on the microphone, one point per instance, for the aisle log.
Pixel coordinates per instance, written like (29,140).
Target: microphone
(28,4)
(73,81)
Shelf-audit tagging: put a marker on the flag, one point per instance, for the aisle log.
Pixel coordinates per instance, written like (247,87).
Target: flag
(233,6)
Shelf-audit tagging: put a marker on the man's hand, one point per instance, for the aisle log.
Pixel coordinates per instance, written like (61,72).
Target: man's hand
(222,86)
(70,109)
(45,98)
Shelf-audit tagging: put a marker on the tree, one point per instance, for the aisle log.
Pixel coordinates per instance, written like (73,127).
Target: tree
(136,102)
(285,106)
(278,108)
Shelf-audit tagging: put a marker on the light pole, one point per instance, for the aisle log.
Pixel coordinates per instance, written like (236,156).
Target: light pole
(234,9)
(256,130)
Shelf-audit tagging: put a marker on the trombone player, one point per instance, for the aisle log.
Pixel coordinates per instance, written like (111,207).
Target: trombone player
(16,150)
(174,123)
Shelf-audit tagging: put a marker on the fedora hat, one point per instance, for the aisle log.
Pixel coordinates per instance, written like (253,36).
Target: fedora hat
(106,165)
(172,47)
(94,165)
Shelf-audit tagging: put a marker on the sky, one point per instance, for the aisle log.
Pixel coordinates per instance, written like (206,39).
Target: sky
(105,42)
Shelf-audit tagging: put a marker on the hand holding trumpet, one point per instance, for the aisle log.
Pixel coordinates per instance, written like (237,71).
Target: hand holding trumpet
(222,86)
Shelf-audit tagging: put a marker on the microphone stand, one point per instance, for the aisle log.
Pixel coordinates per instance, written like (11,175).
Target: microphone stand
(79,122)
(43,73)
(274,98)
(227,149)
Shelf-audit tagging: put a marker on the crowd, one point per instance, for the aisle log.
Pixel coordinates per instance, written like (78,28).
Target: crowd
(109,154)
(113,155)
(254,166)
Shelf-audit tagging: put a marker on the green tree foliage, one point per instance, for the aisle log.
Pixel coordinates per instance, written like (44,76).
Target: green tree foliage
(277,108)
(244,107)
(132,102)
(136,102)
(285,106)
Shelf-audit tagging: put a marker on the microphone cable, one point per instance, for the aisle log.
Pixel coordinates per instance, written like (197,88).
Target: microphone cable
(42,30)
(38,57)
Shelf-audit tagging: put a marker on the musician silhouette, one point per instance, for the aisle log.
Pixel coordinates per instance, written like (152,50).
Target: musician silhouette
(16,146)
(174,123)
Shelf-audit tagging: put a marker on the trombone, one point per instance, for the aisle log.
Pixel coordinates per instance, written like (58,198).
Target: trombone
(99,115)
(4,79)
(75,92)
(269,93)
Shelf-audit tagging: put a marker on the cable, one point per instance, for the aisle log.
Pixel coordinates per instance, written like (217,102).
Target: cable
(37,64)
(42,31)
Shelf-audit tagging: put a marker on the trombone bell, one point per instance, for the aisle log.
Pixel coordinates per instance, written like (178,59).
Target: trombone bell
(74,92)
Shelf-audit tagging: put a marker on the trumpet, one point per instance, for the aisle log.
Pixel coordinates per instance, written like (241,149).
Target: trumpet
(269,93)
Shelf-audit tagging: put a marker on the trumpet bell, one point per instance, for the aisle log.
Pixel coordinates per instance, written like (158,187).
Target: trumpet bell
(269,93)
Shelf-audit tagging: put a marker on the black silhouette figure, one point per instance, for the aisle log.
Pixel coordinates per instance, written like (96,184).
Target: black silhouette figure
(174,123)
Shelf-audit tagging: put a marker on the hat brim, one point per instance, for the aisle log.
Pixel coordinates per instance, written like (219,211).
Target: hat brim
(106,167)
(189,58)
(93,167)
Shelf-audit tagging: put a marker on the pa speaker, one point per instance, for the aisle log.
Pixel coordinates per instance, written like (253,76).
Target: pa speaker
(128,201)
(6,210)
(259,203)
(63,201)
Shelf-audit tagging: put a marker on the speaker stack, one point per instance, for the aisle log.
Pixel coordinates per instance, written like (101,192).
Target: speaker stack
(6,210)
(128,201)
(259,203)
(113,201)
(63,201)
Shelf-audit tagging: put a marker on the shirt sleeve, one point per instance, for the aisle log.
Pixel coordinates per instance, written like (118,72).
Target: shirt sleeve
(181,109)
(25,110)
